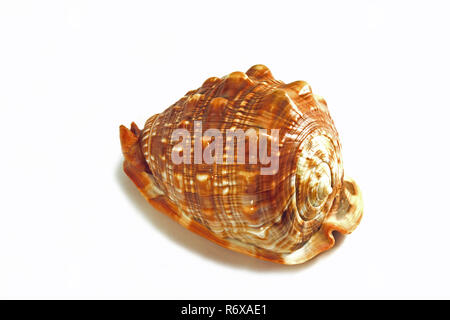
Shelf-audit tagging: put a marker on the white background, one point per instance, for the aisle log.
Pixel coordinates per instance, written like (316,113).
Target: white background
(72,225)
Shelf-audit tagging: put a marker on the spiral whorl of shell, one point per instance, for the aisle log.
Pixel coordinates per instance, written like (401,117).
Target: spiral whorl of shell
(272,216)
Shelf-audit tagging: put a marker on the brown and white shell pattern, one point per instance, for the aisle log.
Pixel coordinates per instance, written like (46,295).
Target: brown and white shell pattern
(286,217)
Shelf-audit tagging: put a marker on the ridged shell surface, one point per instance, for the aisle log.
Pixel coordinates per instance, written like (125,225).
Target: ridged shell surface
(285,215)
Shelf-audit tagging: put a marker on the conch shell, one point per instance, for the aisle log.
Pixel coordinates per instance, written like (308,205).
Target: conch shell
(285,214)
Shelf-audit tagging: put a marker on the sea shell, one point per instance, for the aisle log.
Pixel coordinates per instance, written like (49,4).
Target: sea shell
(285,215)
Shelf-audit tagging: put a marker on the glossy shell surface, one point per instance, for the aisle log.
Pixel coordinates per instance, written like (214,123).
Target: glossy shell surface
(285,216)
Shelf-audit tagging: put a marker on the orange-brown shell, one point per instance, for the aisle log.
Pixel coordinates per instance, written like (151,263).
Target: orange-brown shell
(286,217)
